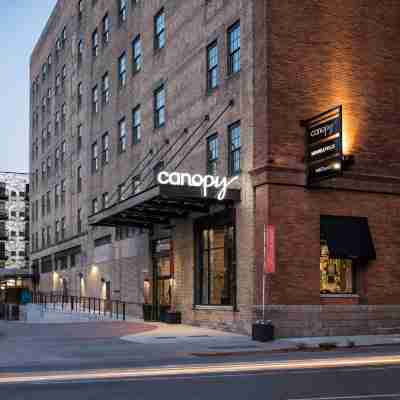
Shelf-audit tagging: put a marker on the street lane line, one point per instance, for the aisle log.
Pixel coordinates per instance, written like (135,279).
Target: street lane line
(361,397)
(200,369)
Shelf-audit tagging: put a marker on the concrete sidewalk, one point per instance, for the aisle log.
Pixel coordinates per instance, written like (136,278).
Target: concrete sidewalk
(207,342)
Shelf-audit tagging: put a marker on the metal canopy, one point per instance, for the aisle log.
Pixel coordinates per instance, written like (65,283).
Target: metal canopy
(159,204)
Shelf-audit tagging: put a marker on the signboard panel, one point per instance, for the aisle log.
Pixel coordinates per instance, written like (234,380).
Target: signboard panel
(324,154)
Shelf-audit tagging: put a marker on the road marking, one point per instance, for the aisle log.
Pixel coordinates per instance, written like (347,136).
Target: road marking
(200,369)
(361,397)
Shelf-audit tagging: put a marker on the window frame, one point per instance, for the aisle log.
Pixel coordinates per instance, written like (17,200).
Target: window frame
(232,171)
(122,138)
(136,125)
(211,68)
(136,55)
(212,162)
(159,109)
(159,33)
(122,73)
(232,52)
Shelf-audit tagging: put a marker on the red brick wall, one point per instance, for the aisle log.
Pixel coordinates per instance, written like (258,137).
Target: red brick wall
(311,56)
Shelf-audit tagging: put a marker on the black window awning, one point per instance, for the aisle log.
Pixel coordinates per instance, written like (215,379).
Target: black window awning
(347,237)
(159,204)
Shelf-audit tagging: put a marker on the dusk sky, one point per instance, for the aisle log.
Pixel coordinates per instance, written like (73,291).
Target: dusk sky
(21,24)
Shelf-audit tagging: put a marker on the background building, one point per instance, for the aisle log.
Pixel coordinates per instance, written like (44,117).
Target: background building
(14,220)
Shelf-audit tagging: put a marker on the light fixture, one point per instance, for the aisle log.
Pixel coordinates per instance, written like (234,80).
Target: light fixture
(80,275)
(103,280)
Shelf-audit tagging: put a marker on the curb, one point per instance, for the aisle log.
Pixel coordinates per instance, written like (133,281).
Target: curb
(285,350)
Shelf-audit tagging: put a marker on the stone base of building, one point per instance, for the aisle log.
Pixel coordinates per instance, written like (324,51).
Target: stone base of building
(332,320)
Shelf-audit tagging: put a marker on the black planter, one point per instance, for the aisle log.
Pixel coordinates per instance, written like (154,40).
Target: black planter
(262,332)
(173,317)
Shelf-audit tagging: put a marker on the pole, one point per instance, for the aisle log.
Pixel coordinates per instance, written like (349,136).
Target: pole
(263,275)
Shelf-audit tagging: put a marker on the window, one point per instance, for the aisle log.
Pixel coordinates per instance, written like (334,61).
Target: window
(62,228)
(79,221)
(43,237)
(337,276)
(13,214)
(95,206)
(105,85)
(57,231)
(43,205)
(44,102)
(63,76)
(58,84)
(48,134)
(44,71)
(63,152)
(159,107)
(122,135)
(215,264)
(79,179)
(63,192)
(212,154)
(95,157)
(79,138)
(80,52)
(48,236)
(136,134)
(234,148)
(64,37)
(95,43)
(48,202)
(122,10)
(104,200)
(48,100)
(80,10)
(44,134)
(49,62)
(43,171)
(80,95)
(105,153)
(135,184)
(159,30)
(136,54)
(63,115)
(95,100)
(122,70)
(106,29)
(57,194)
(57,123)
(48,167)
(234,48)
(57,158)
(212,66)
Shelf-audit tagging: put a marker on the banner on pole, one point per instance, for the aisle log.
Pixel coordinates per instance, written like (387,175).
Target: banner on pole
(269,249)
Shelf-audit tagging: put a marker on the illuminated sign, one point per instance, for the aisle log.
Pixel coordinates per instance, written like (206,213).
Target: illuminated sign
(205,182)
(324,155)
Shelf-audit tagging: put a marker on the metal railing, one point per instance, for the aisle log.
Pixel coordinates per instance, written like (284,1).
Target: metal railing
(114,309)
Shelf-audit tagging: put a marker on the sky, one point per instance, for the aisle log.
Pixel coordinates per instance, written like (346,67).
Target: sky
(22,21)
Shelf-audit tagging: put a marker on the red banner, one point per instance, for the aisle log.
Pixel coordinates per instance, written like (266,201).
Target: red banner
(269,249)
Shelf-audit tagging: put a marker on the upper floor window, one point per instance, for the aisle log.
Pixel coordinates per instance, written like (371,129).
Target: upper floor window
(105,144)
(212,66)
(95,157)
(58,84)
(122,70)
(79,179)
(106,29)
(63,76)
(57,158)
(63,152)
(234,48)
(79,137)
(63,115)
(57,122)
(63,190)
(105,85)
(234,148)
(80,9)
(159,107)
(104,200)
(80,95)
(80,52)
(79,221)
(122,10)
(49,62)
(212,154)
(95,100)
(95,43)
(122,135)
(159,30)
(95,206)
(64,36)
(136,122)
(136,54)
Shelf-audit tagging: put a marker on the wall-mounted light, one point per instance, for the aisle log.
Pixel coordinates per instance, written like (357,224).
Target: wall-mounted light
(80,275)
(103,280)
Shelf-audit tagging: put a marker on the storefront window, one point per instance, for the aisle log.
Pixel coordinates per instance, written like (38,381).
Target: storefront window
(336,274)
(216,265)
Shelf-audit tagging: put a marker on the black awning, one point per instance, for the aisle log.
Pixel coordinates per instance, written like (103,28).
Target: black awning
(159,204)
(347,237)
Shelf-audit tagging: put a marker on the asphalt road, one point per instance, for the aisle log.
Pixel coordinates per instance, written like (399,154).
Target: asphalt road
(366,383)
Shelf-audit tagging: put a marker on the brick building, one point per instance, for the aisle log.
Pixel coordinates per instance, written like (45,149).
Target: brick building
(136,105)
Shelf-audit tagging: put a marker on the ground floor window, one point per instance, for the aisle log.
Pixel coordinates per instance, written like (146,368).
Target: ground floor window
(215,282)
(337,275)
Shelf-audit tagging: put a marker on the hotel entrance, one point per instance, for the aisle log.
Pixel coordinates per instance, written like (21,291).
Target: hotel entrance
(158,289)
